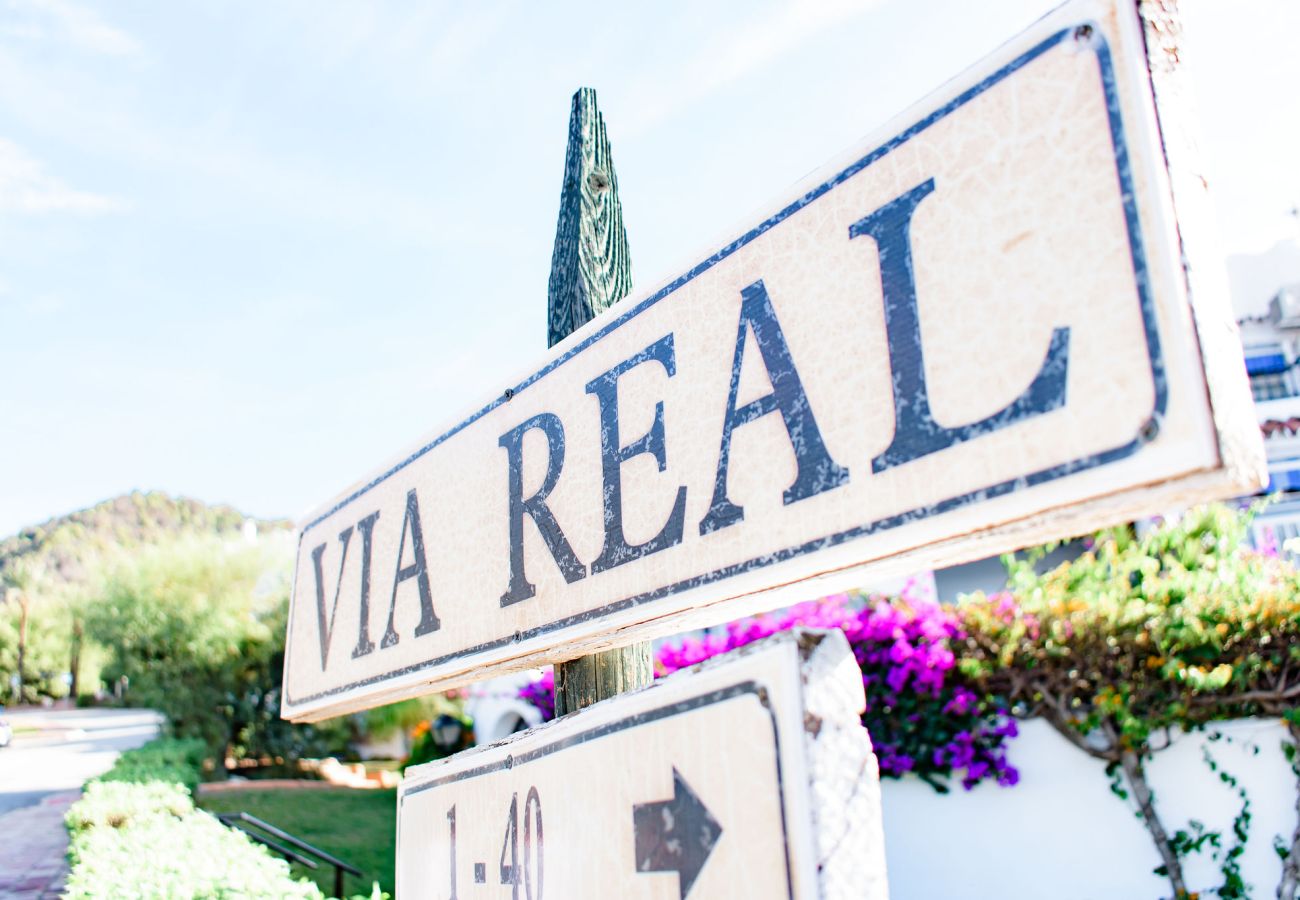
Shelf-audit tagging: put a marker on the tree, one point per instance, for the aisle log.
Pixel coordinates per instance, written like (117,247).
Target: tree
(197,627)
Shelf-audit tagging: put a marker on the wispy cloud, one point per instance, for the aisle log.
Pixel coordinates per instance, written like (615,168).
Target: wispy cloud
(410,46)
(743,51)
(25,187)
(73,23)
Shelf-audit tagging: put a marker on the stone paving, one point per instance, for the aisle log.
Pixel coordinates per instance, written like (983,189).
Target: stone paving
(33,848)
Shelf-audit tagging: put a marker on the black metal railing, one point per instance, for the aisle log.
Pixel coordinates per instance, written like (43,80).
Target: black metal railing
(276,843)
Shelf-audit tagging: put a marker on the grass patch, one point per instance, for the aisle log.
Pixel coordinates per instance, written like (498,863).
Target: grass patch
(357,826)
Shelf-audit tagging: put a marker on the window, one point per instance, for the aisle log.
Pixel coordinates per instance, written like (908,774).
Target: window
(1271,386)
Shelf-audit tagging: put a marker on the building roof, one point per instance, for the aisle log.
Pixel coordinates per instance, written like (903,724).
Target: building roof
(1280,427)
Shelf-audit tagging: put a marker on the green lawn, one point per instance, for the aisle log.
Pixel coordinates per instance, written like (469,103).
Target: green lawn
(357,826)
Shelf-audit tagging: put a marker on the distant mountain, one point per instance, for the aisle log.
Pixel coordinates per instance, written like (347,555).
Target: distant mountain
(63,550)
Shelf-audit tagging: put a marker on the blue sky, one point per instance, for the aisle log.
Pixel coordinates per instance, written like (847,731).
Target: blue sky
(248,251)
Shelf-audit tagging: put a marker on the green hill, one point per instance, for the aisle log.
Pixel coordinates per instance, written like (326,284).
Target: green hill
(63,551)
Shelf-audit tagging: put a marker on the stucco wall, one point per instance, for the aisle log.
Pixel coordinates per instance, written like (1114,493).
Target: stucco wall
(1060,833)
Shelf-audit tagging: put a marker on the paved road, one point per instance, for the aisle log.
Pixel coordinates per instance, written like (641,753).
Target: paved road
(65,748)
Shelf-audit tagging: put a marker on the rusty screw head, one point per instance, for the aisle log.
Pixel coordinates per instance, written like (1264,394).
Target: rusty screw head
(1149,430)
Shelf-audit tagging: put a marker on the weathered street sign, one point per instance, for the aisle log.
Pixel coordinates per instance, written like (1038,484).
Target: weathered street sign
(752,777)
(999,320)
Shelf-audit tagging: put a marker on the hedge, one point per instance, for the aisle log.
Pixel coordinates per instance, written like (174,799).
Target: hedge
(158,854)
(168,760)
(136,835)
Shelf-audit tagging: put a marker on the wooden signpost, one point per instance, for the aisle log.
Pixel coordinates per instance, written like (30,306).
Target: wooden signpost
(749,777)
(590,272)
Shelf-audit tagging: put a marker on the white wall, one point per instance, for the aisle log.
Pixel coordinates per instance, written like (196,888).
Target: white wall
(1060,833)
(496,710)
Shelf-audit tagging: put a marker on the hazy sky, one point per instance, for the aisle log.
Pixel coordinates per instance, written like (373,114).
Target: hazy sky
(250,250)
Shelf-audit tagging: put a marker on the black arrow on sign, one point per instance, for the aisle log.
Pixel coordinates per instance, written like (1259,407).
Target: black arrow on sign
(675,835)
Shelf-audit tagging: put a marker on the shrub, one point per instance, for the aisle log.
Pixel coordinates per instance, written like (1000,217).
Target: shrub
(135,833)
(168,760)
(116,804)
(170,857)
(425,749)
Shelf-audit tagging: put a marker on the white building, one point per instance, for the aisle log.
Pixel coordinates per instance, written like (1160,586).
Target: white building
(1271,342)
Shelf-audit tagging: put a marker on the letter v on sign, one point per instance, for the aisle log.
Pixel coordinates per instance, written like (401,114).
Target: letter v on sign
(325,623)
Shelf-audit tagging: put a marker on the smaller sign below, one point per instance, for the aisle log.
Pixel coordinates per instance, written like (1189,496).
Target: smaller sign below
(701,785)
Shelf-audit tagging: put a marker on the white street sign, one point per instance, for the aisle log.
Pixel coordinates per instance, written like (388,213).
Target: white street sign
(995,321)
(752,777)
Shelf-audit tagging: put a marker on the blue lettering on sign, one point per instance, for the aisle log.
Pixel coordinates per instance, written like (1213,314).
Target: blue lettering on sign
(535,507)
(815,470)
(916,433)
(325,624)
(418,569)
(613,454)
(364,644)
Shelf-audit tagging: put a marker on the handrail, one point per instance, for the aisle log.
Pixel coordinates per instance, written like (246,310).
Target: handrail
(283,851)
(339,865)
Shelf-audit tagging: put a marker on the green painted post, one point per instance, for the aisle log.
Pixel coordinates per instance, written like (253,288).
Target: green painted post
(590,272)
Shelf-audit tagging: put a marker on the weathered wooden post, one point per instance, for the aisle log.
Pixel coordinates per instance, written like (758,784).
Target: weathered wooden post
(590,272)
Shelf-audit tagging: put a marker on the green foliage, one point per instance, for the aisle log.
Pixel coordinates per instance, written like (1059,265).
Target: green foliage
(146,848)
(45,654)
(136,833)
(1180,627)
(1233,887)
(406,715)
(252,708)
(1141,635)
(176,761)
(425,749)
(115,804)
(197,629)
(49,570)
(69,549)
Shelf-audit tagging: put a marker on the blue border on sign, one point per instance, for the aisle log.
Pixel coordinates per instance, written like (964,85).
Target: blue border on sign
(1089,36)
